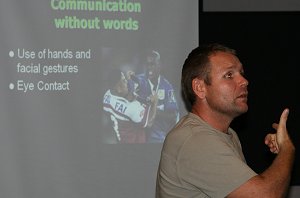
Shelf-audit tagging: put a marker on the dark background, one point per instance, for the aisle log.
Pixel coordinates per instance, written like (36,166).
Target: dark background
(267,44)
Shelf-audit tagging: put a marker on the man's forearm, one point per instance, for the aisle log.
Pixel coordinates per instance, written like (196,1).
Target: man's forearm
(277,176)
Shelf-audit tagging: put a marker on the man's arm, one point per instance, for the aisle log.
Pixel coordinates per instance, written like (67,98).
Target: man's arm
(274,181)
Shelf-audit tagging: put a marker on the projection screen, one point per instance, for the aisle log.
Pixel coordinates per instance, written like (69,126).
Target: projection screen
(60,126)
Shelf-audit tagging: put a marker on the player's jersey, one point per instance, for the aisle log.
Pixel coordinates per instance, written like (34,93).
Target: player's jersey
(164,90)
(129,117)
(166,102)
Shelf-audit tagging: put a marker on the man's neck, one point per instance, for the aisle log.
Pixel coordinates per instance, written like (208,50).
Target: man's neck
(215,119)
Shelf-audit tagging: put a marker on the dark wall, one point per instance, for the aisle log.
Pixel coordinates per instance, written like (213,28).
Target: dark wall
(268,46)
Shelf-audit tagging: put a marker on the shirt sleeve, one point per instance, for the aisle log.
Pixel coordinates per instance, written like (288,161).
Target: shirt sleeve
(138,112)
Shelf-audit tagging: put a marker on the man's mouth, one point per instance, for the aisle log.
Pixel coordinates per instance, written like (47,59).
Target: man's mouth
(245,95)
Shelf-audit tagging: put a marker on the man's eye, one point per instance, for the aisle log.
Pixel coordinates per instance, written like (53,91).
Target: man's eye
(228,75)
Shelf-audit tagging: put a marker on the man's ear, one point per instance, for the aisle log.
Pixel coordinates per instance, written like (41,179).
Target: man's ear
(199,87)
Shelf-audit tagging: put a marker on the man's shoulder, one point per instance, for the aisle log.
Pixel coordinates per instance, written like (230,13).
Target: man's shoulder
(186,126)
(193,127)
(165,81)
(141,76)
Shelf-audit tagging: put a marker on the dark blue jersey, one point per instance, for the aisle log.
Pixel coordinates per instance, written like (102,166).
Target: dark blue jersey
(167,108)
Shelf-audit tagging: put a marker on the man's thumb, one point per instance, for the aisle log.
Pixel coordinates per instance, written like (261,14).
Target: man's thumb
(283,119)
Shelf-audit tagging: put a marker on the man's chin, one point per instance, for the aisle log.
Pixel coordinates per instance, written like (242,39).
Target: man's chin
(150,75)
(241,109)
(244,109)
(242,105)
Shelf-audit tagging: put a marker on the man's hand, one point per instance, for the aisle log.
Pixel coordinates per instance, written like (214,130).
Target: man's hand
(280,139)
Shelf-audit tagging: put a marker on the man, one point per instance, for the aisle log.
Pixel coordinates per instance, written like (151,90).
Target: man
(129,117)
(202,155)
(153,83)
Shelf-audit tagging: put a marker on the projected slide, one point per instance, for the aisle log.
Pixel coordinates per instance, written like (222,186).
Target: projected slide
(80,76)
(63,50)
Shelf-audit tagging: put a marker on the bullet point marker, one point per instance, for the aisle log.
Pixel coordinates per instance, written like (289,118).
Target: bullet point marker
(11,86)
(11,54)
